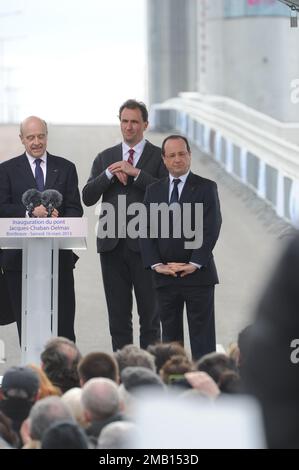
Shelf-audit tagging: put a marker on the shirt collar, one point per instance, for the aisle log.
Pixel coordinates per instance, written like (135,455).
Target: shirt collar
(182,177)
(32,159)
(138,147)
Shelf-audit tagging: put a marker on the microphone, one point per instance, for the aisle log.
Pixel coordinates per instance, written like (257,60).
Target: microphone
(31,199)
(51,199)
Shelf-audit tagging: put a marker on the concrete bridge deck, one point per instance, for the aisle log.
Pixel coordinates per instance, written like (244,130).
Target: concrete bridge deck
(245,252)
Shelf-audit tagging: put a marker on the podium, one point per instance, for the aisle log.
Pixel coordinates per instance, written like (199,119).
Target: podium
(40,240)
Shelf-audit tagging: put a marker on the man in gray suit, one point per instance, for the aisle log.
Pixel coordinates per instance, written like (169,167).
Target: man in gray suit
(126,170)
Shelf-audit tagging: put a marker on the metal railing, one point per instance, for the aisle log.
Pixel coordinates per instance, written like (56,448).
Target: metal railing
(252,147)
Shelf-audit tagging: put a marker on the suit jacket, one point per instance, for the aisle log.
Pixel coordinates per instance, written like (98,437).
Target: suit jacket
(164,250)
(16,177)
(99,186)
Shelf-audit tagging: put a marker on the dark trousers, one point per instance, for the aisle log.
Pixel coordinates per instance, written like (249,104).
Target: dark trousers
(199,302)
(66,301)
(122,270)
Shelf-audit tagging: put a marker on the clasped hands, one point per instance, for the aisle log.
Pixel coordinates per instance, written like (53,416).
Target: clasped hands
(41,211)
(171,269)
(122,170)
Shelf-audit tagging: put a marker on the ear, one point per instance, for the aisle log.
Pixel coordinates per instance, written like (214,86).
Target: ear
(81,382)
(87,416)
(122,406)
(145,126)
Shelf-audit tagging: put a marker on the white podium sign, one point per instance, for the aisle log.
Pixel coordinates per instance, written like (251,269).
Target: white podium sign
(40,240)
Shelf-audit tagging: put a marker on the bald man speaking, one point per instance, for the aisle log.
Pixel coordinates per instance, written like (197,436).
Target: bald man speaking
(37,169)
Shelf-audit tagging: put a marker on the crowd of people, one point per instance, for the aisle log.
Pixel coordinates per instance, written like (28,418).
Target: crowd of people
(70,401)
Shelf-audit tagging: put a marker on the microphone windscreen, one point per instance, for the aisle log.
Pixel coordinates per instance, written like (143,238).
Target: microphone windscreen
(31,197)
(53,197)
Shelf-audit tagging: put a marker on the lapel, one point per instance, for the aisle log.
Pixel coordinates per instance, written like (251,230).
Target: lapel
(189,189)
(145,156)
(52,172)
(117,155)
(26,175)
(165,190)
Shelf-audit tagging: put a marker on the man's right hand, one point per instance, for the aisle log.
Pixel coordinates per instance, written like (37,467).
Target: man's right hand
(122,177)
(40,211)
(165,269)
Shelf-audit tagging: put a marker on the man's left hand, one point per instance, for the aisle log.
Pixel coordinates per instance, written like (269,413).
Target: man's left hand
(55,213)
(125,167)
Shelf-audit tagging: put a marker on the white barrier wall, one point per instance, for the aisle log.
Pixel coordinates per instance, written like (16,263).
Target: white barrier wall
(244,142)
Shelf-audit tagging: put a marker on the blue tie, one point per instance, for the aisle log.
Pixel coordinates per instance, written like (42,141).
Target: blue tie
(39,175)
(175,192)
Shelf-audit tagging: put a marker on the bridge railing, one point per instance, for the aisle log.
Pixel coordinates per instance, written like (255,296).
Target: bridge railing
(252,147)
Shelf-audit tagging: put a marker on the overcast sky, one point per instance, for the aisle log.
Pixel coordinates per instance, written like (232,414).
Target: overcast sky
(72,60)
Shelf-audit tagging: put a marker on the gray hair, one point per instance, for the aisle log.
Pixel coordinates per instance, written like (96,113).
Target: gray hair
(132,356)
(118,435)
(45,412)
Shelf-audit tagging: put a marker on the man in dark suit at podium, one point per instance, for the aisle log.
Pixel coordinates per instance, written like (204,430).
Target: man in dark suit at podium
(184,273)
(37,169)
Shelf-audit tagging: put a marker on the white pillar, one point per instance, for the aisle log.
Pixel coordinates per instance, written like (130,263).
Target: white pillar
(243,165)
(261,185)
(280,194)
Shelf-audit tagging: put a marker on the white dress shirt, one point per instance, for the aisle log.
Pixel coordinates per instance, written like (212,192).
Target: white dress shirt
(181,185)
(138,149)
(43,165)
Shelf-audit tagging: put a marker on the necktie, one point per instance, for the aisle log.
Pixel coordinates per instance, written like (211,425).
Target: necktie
(39,175)
(175,192)
(131,157)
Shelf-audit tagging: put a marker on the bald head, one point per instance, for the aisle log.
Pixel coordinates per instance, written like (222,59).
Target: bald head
(100,399)
(33,135)
(32,121)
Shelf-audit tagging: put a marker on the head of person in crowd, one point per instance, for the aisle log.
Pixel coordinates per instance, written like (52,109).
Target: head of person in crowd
(230,382)
(98,364)
(164,351)
(134,378)
(118,435)
(172,372)
(134,382)
(46,388)
(215,364)
(64,435)
(133,117)
(45,412)
(7,434)
(100,399)
(203,384)
(59,360)
(133,356)
(19,391)
(73,399)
